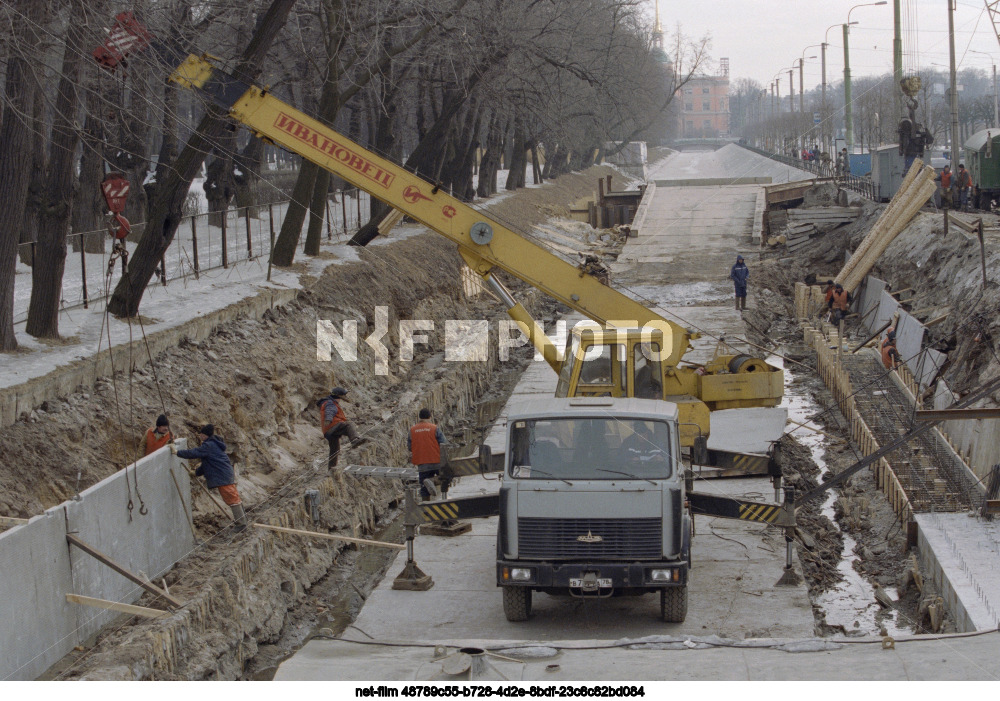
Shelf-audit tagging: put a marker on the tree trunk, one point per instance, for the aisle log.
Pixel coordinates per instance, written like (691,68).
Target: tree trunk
(536,165)
(88,204)
(305,184)
(36,181)
(220,181)
(518,160)
(57,202)
(166,212)
(490,162)
(15,163)
(317,212)
(247,176)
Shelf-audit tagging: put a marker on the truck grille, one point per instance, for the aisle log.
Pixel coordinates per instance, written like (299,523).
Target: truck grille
(620,538)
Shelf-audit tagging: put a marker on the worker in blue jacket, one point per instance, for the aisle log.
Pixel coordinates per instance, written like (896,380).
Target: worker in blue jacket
(217,470)
(739,274)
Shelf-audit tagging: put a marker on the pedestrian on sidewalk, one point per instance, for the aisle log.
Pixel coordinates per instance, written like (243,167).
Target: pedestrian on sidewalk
(424,443)
(739,274)
(839,304)
(217,470)
(334,423)
(159,435)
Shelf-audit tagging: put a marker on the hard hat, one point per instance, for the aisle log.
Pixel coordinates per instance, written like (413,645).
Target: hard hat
(338,392)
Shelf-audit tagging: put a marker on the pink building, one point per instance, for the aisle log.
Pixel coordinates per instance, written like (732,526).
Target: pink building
(704,105)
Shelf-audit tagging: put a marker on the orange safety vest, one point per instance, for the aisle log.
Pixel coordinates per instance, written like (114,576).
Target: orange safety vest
(829,294)
(154,441)
(338,418)
(946,180)
(839,300)
(424,448)
(887,351)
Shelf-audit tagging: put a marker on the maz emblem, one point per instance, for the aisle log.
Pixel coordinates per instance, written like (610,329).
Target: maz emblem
(590,538)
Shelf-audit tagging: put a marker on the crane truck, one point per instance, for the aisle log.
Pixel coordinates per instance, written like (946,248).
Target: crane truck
(593,499)
(634,352)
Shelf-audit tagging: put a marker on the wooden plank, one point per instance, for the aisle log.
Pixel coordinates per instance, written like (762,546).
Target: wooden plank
(993,506)
(11,521)
(955,414)
(101,557)
(116,606)
(962,224)
(330,536)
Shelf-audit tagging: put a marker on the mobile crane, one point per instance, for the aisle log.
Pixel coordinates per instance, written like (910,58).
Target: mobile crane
(608,378)
(640,351)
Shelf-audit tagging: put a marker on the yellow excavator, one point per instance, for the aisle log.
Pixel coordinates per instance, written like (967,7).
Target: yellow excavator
(632,351)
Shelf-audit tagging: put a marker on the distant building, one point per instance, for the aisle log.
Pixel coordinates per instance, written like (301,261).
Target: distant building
(704,105)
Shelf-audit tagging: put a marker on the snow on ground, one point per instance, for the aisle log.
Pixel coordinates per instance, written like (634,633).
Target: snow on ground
(85,331)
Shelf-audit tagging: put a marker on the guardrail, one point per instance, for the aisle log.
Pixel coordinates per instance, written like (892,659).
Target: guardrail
(861,184)
(203,242)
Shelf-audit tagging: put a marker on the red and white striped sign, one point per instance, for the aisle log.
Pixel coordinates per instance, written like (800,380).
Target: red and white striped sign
(115,188)
(126,36)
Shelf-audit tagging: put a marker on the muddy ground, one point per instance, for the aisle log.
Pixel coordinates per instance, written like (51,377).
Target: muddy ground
(945,274)
(253,598)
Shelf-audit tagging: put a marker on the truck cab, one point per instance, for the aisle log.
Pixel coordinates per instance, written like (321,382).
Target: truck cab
(592,503)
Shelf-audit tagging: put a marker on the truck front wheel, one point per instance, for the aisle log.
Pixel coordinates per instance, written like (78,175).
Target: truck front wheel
(517,603)
(673,604)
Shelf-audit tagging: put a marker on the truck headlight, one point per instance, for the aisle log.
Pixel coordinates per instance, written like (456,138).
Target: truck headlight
(670,575)
(520,574)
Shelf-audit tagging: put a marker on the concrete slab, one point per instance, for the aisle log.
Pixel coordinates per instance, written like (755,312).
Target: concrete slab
(682,270)
(747,430)
(964,555)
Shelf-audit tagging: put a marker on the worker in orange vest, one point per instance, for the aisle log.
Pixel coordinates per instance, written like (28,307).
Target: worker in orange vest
(840,303)
(945,180)
(334,423)
(828,292)
(890,356)
(424,442)
(159,435)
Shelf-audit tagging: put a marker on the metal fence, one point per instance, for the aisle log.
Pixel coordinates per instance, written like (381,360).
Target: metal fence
(861,184)
(203,242)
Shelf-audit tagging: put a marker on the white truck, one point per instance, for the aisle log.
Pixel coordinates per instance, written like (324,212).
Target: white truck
(592,503)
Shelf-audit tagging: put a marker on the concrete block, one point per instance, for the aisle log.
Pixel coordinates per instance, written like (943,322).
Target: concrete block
(37,624)
(38,567)
(149,544)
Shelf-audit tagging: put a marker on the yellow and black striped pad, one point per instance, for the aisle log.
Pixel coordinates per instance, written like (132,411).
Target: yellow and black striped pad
(764,513)
(742,463)
(731,507)
(466,507)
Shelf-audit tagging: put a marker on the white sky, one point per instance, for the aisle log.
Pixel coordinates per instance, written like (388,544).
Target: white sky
(763,37)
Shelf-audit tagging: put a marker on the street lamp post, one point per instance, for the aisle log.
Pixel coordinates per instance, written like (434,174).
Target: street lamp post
(802,91)
(827,145)
(996,101)
(848,111)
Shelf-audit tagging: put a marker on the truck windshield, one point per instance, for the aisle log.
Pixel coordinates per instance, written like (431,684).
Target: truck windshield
(590,449)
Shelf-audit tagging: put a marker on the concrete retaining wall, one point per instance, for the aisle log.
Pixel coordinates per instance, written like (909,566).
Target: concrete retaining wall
(38,567)
(961,554)
(82,374)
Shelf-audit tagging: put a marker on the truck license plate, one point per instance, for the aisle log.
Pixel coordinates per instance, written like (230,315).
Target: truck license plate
(603,583)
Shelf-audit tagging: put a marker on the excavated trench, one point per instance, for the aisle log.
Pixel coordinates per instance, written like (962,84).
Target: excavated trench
(253,598)
(854,545)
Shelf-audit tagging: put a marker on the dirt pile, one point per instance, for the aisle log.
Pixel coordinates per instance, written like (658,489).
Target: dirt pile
(257,381)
